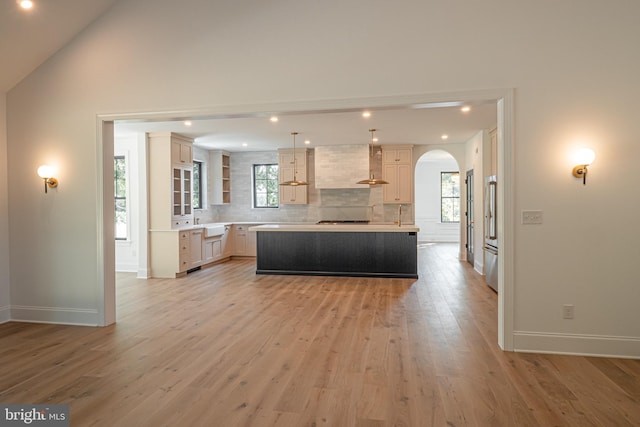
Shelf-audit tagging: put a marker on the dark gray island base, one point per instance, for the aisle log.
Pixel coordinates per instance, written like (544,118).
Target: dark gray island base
(342,253)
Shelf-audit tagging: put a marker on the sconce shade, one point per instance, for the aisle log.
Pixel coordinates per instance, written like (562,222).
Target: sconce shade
(45,171)
(585,156)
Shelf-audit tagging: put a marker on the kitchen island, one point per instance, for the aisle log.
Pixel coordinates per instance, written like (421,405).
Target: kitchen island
(372,250)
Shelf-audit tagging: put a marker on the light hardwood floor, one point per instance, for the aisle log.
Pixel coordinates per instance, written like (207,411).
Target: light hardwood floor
(224,347)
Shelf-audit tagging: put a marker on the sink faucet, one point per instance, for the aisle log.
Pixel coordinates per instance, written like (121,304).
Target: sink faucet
(197,220)
(399,215)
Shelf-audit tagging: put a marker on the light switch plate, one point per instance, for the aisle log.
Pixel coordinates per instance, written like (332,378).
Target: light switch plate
(531,217)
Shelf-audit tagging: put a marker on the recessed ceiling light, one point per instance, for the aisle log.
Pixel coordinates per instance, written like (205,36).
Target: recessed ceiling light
(25,4)
(374,139)
(445,136)
(307,142)
(273,119)
(187,122)
(244,144)
(465,109)
(366,114)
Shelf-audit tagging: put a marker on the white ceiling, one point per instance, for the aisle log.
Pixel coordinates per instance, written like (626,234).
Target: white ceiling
(29,37)
(424,124)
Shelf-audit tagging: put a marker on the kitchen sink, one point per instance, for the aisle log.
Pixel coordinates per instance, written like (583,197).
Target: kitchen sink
(211,230)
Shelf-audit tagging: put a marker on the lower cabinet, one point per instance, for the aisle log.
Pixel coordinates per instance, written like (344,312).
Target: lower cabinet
(195,248)
(216,247)
(244,241)
(170,253)
(183,250)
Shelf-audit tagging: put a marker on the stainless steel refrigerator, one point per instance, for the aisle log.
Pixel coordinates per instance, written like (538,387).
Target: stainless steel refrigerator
(491,232)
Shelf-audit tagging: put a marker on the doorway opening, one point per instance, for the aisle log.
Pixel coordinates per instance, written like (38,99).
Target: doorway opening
(502,98)
(437,197)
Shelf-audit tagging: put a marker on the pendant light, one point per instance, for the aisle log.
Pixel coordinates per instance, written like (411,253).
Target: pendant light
(372,180)
(294,182)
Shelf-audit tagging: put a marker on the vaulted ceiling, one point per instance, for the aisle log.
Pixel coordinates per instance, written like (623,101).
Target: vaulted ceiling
(29,37)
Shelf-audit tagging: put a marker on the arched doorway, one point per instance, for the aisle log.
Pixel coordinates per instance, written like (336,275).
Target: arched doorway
(437,197)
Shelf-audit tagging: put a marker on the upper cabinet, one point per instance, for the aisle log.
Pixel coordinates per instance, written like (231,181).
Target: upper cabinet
(220,166)
(287,164)
(181,193)
(181,150)
(170,180)
(397,169)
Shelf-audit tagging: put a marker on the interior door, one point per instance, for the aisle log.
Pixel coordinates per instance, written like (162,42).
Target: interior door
(469,215)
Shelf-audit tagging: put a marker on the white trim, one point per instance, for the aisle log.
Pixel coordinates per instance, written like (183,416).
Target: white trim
(55,315)
(504,98)
(506,221)
(106,260)
(478,266)
(577,344)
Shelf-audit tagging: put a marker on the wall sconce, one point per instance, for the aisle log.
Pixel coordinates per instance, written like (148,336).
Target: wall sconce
(46,173)
(584,157)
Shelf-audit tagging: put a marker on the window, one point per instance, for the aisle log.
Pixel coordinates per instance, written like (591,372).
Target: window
(120,190)
(196,198)
(450,196)
(265,186)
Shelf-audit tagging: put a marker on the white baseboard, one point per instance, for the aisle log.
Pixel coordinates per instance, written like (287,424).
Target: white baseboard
(478,267)
(143,273)
(55,315)
(5,314)
(577,344)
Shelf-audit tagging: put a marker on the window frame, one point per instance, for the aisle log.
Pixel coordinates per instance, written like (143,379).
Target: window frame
(254,186)
(127,222)
(200,181)
(454,198)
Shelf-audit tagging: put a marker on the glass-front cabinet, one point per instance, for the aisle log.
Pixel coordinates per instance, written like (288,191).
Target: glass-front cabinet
(181,192)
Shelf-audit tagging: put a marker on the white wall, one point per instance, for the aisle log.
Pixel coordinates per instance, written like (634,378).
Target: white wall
(5,312)
(427,198)
(235,53)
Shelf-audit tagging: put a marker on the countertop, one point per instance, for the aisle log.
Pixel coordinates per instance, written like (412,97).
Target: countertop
(304,226)
(361,228)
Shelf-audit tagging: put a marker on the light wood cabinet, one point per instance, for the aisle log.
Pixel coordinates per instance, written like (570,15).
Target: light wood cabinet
(220,166)
(397,170)
(217,247)
(184,250)
(195,248)
(244,241)
(170,189)
(181,150)
(287,164)
(181,188)
(170,182)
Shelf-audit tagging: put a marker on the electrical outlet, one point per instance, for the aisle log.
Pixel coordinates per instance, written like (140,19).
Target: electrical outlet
(532,217)
(567,311)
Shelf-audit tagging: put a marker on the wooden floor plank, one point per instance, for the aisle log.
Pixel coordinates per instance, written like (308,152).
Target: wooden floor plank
(223,346)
